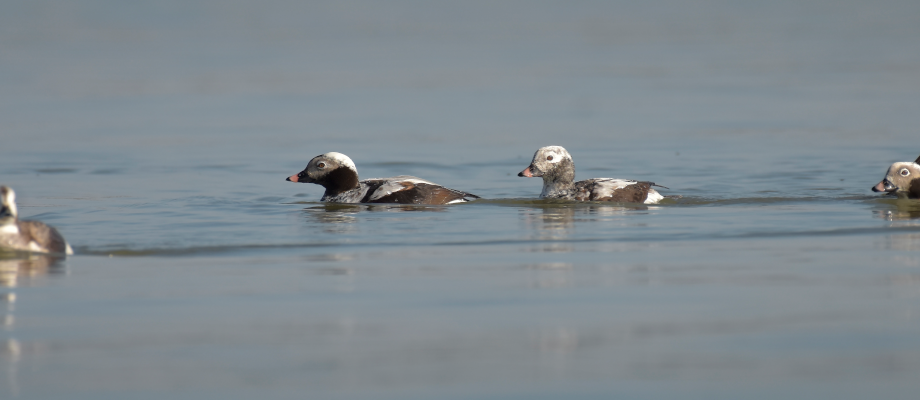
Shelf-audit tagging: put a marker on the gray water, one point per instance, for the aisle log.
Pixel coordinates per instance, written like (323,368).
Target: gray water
(156,137)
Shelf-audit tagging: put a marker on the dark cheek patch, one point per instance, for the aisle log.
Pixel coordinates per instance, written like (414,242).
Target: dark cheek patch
(914,192)
(337,181)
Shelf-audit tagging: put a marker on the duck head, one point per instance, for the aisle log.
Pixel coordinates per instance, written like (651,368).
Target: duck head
(902,180)
(333,171)
(555,166)
(8,210)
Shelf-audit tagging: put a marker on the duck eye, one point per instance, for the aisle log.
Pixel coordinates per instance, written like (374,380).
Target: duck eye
(320,165)
(905,172)
(549,158)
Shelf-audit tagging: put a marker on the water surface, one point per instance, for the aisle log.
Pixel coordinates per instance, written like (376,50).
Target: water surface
(157,135)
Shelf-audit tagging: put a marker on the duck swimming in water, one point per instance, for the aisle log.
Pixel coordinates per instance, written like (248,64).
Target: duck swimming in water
(31,236)
(337,173)
(555,166)
(902,180)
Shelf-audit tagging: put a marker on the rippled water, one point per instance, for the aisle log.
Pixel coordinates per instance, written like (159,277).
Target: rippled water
(156,136)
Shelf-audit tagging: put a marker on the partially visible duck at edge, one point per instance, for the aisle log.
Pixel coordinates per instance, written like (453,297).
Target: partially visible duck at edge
(555,166)
(902,180)
(338,174)
(31,236)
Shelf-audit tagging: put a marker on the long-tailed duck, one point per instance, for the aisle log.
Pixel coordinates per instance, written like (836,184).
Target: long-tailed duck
(31,236)
(337,173)
(555,165)
(902,180)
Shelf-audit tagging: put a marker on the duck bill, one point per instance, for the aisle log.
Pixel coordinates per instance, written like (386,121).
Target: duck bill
(884,186)
(297,178)
(530,172)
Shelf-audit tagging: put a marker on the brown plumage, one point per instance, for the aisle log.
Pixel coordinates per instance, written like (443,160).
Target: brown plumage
(47,237)
(32,236)
(589,190)
(420,193)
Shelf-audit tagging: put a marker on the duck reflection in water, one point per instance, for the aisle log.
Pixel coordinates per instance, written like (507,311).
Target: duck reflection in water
(341,218)
(557,221)
(334,218)
(902,247)
(550,223)
(898,209)
(18,267)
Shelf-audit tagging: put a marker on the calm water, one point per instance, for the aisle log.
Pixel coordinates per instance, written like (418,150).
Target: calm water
(156,136)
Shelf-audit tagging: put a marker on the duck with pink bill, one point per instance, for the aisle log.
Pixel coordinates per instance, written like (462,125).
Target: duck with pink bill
(902,180)
(554,164)
(339,176)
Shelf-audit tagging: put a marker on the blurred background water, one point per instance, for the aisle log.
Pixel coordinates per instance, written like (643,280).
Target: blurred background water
(157,135)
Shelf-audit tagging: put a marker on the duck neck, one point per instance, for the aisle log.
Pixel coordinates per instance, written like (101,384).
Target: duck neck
(559,180)
(913,191)
(8,223)
(7,215)
(340,180)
